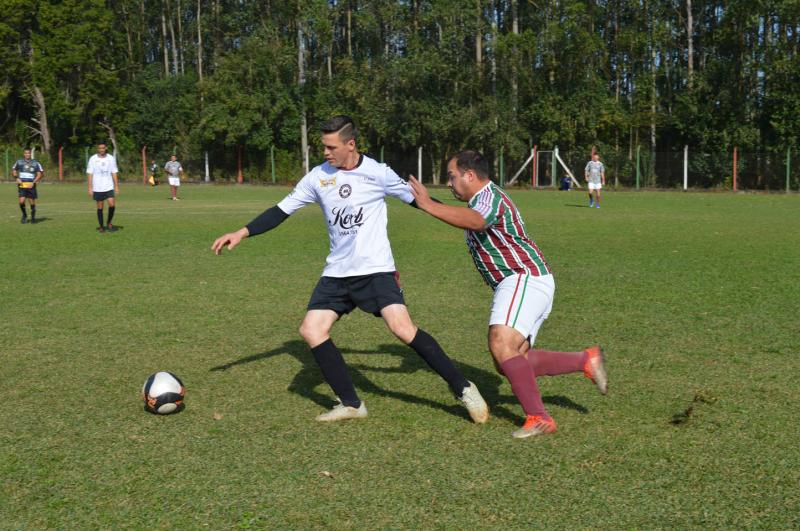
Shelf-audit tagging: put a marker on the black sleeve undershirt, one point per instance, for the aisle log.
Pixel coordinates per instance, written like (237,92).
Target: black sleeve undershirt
(415,205)
(267,220)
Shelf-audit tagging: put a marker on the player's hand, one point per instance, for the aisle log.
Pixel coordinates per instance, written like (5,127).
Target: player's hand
(420,193)
(90,194)
(231,240)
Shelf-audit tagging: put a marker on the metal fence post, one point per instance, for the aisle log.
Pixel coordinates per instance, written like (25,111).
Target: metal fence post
(272,162)
(788,167)
(638,171)
(553,170)
(502,169)
(685,166)
(419,164)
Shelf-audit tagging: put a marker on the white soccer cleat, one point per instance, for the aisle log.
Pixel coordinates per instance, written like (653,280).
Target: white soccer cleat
(342,412)
(475,404)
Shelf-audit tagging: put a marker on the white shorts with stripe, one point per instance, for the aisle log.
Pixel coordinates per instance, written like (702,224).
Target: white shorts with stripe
(174,181)
(523,302)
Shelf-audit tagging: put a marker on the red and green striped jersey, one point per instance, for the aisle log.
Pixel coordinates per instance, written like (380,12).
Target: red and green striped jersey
(502,248)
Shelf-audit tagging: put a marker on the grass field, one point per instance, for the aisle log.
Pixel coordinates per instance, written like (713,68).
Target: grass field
(695,297)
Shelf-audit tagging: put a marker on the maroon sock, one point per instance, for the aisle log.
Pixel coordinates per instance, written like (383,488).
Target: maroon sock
(523,384)
(551,363)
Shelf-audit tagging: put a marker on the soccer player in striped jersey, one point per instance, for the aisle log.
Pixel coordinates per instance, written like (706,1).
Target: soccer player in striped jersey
(513,266)
(27,172)
(359,271)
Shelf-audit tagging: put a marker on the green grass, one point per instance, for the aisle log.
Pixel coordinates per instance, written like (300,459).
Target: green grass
(695,298)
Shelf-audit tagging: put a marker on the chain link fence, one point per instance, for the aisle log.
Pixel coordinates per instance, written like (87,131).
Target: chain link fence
(638,168)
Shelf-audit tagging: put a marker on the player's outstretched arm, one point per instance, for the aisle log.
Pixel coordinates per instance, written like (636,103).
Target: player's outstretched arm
(267,220)
(461,217)
(230,240)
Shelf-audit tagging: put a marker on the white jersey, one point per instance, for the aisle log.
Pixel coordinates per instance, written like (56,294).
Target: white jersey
(101,169)
(353,204)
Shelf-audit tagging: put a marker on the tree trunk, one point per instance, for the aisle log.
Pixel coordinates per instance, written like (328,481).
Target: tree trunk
(349,30)
(41,118)
(301,81)
(514,68)
(175,70)
(690,45)
(111,135)
(493,57)
(129,37)
(180,36)
(479,37)
(164,40)
(199,49)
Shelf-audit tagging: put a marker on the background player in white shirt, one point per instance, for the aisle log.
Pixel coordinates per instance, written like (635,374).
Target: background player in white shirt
(595,174)
(101,172)
(27,172)
(359,271)
(174,171)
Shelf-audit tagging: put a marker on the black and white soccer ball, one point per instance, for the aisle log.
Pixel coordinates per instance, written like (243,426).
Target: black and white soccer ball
(163,393)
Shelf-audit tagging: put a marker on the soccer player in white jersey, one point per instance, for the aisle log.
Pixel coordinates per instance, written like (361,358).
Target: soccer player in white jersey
(359,271)
(27,172)
(595,175)
(512,265)
(101,172)
(174,171)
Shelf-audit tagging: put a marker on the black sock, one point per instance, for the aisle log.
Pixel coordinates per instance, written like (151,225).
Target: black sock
(434,356)
(110,214)
(24,213)
(100,216)
(33,212)
(331,362)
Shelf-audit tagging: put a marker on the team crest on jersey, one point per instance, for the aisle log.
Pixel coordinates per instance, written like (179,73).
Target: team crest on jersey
(345,190)
(327,182)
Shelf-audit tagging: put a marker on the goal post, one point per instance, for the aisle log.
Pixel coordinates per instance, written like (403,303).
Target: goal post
(535,157)
(566,168)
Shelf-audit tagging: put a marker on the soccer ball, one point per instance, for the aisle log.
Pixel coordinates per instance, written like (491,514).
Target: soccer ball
(163,393)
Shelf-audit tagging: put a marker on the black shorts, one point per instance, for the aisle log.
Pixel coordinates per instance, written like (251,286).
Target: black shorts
(371,293)
(29,193)
(102,196)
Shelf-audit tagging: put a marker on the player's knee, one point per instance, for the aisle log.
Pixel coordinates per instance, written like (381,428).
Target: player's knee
(405,332)
(306,332)
(313,336)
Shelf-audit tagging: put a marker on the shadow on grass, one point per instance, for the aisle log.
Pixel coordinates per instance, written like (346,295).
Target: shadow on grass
(39,220)
(310,376)
(577,206)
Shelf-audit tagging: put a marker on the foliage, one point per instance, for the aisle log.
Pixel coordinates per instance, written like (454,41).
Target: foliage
(442,74)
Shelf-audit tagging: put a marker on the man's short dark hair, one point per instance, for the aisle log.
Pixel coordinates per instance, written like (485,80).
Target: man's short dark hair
(26,149)
(342,124)
(472,160)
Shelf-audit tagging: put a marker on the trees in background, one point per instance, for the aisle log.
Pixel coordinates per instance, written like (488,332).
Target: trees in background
(214,75)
